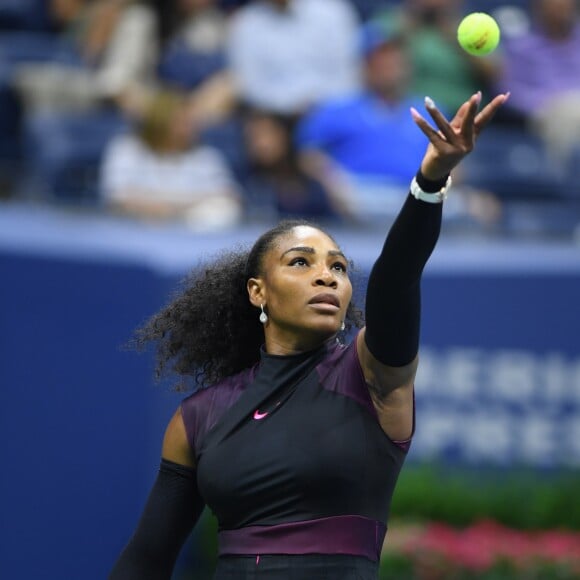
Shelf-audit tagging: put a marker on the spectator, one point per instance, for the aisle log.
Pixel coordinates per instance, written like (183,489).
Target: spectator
(160,172)
(286,55)
(542,71)
(369,137)
(73,107)
(193,38)
(441,69)
(278,186)
(26,35)
(116,48)
(193,42)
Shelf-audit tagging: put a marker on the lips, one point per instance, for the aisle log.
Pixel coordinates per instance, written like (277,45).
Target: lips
(325,299)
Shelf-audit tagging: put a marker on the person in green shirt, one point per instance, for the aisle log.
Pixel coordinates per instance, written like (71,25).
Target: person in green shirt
(440,68)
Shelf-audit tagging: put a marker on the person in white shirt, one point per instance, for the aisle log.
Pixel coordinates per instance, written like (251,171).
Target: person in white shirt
(286,55)
(115,43)
(159,172)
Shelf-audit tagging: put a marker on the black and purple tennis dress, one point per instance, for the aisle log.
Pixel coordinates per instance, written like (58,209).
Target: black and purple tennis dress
(292,461)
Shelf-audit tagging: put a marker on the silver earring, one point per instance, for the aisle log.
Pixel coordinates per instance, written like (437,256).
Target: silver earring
(342,326)
(263,316)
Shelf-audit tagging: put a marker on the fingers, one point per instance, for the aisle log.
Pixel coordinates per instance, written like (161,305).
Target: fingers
(461,124)
(488,112)
(466,124)
(440,120)
(460,115)
(433,136)
(467,128)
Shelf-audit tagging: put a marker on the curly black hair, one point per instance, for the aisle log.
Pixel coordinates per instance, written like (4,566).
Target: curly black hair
(210,330)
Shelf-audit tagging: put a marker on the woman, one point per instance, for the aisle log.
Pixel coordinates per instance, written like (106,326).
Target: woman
(161,170)
(277,181)
(296,447)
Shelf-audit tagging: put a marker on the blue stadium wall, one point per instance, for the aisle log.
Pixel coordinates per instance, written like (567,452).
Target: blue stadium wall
(81,420)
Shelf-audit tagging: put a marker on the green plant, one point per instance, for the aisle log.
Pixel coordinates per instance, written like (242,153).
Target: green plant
(519,498)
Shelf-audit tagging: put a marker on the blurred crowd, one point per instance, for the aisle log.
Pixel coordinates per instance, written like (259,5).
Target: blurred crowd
(216,112)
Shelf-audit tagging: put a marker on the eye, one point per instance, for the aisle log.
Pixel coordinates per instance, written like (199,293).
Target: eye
(339,266)
(299,262)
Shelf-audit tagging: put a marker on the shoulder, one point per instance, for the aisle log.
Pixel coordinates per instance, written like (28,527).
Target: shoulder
(125,145)
(207,154)
(330,8)
(220,394)
(139,13)
(201,410)
(342,103)
(340,372)
(516,44)
(249,15)
(332,112)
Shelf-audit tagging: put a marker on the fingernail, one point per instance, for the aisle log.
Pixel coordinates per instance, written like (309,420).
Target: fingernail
(415,114)
(507,96)
(429,103)
(478,97)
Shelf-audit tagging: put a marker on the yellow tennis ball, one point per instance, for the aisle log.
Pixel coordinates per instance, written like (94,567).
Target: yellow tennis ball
(478,34)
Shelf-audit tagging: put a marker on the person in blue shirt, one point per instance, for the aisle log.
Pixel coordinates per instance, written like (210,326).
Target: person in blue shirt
(369,139)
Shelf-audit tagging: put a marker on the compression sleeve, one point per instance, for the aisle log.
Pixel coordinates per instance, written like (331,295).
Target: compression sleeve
(172,509)
(393,304)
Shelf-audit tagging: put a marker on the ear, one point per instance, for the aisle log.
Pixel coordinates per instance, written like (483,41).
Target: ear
(256,291)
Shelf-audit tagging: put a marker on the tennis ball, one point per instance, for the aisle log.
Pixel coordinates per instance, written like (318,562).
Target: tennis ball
(478,34)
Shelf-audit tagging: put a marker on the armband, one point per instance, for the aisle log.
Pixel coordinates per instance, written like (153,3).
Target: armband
(430,197)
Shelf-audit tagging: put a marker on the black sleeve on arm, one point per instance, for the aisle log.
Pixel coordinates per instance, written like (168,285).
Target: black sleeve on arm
(172,509)
(393,300)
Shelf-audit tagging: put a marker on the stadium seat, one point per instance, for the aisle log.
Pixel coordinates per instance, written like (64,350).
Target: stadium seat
(62,154)
(514,165)
(24,15)
(367,8)
(181,67)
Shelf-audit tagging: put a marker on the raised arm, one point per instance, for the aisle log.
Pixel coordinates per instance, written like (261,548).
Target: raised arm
(172,509)
(388,345)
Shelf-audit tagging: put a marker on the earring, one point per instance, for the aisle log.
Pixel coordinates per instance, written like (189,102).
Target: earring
(342,326)
(263,316)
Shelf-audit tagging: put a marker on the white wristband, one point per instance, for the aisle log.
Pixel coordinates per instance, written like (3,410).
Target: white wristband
(433,197)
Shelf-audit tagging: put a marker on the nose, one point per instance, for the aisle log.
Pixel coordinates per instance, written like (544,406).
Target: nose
(324,277)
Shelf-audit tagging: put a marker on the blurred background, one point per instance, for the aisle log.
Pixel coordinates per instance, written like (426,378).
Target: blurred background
(138,138)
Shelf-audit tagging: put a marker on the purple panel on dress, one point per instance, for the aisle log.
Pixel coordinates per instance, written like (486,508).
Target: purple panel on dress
(352,535)
(203,409)
(341,373)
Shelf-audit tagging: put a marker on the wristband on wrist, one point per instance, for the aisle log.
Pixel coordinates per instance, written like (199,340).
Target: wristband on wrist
(430,191)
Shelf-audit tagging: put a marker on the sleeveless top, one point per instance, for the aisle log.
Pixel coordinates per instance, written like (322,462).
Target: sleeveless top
(291,457)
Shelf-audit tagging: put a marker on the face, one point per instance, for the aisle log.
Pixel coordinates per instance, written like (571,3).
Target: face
(305,290)
(435,11)
(555,14)
(181,130)
(193,6)
(65,10)
(266,141)
(281,3)
(387,69)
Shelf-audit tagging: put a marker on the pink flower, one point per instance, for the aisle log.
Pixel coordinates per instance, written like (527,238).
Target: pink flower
(438,548)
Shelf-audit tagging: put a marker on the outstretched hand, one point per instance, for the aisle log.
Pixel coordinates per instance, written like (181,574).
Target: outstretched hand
(453,140)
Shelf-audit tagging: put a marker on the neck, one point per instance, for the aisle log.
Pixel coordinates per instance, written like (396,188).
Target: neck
(283,346)
(559,31)
(389,96)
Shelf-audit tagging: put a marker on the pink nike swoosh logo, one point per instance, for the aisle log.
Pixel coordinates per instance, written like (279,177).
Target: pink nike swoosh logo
(258,415)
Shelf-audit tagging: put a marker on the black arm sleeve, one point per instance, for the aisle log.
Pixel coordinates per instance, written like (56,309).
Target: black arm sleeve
(172,509)
(393,303)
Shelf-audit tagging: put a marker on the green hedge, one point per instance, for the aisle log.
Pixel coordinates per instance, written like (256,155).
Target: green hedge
(519,498)
(398,567)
